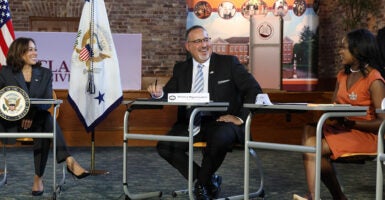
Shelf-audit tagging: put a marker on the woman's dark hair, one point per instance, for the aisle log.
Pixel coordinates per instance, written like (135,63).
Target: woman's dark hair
(381,44)
(363,46)
(16,51)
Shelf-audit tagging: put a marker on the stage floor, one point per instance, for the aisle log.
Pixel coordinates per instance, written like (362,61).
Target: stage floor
(284,175)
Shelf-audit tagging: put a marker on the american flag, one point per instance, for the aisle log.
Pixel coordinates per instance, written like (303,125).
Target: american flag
(85,53)
(7,34)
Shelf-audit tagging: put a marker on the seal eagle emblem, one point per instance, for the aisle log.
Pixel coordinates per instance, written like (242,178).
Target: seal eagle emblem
(14,103)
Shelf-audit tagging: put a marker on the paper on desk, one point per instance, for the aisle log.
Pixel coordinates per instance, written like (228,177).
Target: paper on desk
(263,99)
(292,103)
(314,104)
(39,99)
(328,104)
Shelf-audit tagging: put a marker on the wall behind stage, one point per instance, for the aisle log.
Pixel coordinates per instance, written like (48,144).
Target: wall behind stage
(55,51)
(228,23)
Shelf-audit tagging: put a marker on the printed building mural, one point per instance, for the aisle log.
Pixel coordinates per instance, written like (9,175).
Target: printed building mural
(228,23)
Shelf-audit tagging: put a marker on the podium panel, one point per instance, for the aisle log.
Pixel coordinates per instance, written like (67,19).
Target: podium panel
(265,50)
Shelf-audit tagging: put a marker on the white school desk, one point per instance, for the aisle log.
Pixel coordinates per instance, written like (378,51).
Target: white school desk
(329,111)
(56,103)
(146,104)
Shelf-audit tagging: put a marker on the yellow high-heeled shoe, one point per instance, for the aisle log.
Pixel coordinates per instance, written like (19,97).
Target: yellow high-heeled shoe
(297,197)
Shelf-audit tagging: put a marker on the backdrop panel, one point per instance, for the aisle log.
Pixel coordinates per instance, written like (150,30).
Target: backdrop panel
(55,51)
(228,22)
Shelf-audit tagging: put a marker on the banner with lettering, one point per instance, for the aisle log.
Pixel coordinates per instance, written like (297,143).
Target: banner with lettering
(55,51)
(228,23)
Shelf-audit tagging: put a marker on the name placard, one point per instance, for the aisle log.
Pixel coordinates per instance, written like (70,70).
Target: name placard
(189,97)
(263,99)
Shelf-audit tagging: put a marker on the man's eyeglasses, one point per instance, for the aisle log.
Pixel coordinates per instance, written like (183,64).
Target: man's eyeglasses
(199,41)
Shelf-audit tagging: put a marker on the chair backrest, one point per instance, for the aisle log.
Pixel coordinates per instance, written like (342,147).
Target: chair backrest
(359,158)
(383,104)
(51,109)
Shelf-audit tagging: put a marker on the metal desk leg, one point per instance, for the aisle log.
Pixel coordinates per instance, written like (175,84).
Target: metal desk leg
(318,147)
(191,152)
(56,188)
(125,188)
(260,192)
(247,158)
(54,156)
(191,143)
(249,151)
(62,181)
(380,160)
(189,139)
(320,124)
(297,148)
(4,179)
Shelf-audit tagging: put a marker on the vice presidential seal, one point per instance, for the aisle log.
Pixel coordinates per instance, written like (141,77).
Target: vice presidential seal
(14,103)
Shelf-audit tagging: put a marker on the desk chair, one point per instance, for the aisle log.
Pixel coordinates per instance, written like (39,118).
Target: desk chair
(51,110)
(56,188)
(140,104)
(260,193)
(379,157)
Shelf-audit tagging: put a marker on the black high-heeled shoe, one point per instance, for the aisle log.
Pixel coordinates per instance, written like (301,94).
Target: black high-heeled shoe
(37,193)
(80,176)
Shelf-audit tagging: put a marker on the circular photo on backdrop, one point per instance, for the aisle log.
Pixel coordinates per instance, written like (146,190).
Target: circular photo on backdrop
(14,103)
(226,10)
(253,7)
(202,9)
(299,7)
(280,8)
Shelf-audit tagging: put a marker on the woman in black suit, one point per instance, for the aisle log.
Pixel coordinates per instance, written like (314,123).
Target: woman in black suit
(23,70)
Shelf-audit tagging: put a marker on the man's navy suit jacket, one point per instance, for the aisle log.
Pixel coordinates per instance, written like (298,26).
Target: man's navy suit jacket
(229,81)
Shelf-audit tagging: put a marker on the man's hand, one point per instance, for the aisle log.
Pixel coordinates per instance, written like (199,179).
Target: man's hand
(230,118)
(155,90)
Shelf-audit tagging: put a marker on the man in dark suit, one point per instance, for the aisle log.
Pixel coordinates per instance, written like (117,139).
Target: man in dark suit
(227,81)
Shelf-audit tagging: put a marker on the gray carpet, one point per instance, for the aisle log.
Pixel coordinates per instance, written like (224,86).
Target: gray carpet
(284,175)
